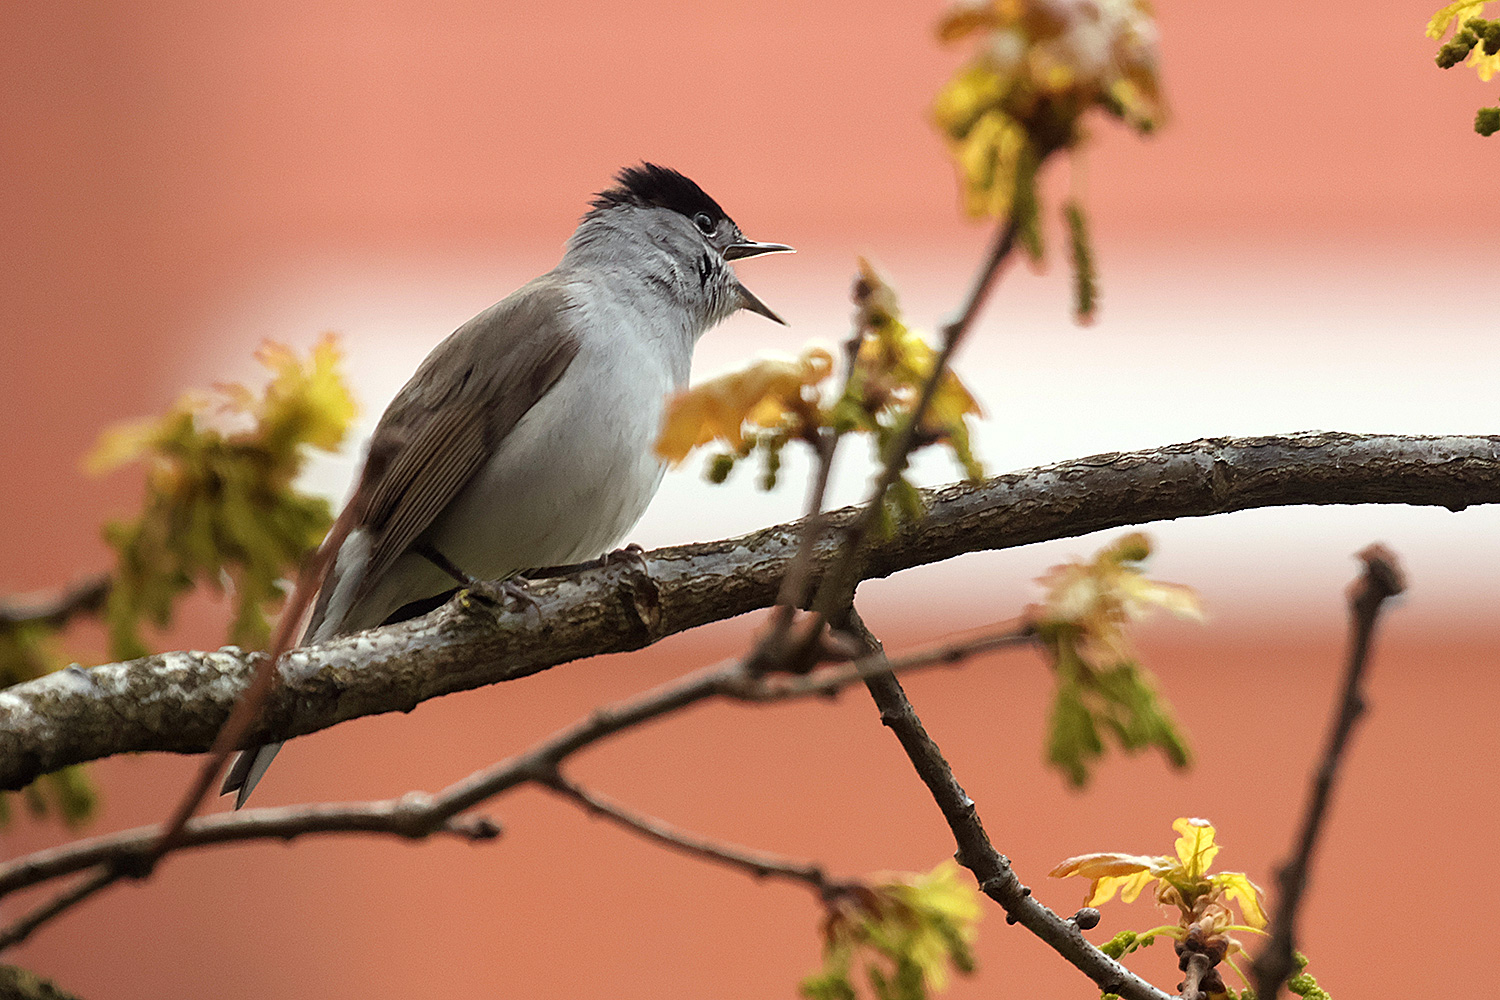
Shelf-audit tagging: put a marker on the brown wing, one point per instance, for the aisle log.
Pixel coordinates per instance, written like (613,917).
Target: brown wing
(454,413)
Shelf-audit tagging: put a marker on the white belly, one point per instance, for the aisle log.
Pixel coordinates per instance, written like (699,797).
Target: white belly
(573,477)
(567,484)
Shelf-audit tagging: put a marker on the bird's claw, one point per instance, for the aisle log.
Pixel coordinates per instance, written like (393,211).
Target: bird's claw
(632,554)
(512,589)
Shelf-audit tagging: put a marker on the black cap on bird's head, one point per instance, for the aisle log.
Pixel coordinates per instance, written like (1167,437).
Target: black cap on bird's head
(652,186)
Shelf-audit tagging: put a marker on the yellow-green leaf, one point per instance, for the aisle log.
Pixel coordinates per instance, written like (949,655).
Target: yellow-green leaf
(306,403)
(1196,849)
(1461,11)
(1126,874)
(220,499)
(1238,888)
(764,393)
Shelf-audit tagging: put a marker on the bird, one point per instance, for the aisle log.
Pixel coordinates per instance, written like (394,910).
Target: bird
(526,438)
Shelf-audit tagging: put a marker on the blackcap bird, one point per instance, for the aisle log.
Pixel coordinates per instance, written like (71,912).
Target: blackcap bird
(525,439)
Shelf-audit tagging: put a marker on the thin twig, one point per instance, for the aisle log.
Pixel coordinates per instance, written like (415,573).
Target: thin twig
(1382,579)
(772,649)
(128,851)
(793,592)
(758,863)
(776,649)
(995,876)
(779,687)
(83,598)
(841,577)
(839,582)
(86,887)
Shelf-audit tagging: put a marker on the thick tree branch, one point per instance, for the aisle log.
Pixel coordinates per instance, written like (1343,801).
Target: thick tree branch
(177,701)
(1382,579)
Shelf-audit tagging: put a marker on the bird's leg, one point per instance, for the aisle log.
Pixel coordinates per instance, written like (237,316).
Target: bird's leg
(427,551)
(513,587)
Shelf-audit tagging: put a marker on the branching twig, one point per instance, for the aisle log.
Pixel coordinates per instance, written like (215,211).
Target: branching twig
(757,863)
(778,687)
(178,701)
(839,581)
(413,816)
(417,815)
(1382,579)
(975,852)
(21,929)
(407,817)
(134,853)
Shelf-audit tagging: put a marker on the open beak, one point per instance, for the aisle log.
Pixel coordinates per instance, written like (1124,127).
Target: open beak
(748,299)
(750,248)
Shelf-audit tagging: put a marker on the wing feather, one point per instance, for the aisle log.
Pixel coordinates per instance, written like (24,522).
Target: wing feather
(453,415)
(421,479)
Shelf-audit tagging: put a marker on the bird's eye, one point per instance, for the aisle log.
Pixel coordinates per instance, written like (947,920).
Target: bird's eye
(704,223)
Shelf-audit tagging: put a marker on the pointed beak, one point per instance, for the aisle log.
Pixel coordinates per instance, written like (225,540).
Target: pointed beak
(749,300)
(750,248)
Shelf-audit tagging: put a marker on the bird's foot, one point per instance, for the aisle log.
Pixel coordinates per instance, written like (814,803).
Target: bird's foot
(632,554)
(512,589)
(497,592)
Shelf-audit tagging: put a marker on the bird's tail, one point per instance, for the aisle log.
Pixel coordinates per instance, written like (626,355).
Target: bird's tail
(249,767)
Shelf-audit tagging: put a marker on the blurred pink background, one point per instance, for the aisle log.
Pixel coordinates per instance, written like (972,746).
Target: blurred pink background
(1306,244)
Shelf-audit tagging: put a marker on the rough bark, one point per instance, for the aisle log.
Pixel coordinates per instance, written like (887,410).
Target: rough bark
(177,701)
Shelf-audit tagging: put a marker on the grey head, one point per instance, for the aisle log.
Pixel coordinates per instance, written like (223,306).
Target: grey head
(658,222)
